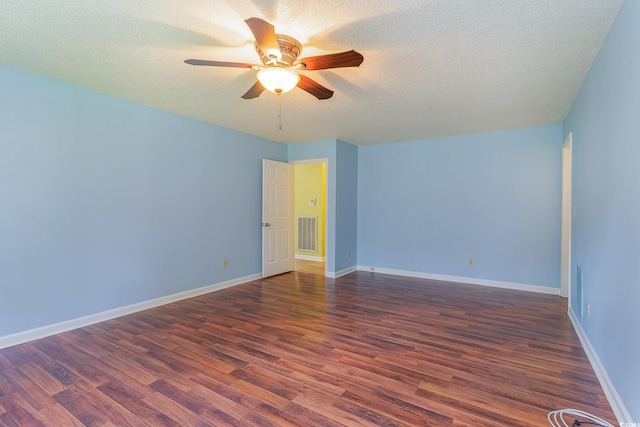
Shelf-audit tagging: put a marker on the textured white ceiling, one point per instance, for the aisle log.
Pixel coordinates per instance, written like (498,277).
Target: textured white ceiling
(431,68)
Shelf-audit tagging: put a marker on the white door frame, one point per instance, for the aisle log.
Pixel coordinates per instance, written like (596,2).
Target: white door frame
(324,160)
(565,256)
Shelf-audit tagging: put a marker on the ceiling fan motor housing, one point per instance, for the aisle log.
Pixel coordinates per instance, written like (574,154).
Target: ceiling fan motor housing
(290,48)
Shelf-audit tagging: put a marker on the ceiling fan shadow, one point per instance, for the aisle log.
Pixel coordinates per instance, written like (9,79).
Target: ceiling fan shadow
(243,78)
(369,32)
(264,9)
(268,8)
(145,32)
(347,87)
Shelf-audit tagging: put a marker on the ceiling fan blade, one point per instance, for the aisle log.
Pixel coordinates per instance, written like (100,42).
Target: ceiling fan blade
(314,88)
(335,60)
(218,63)
(265,35)
(254,92)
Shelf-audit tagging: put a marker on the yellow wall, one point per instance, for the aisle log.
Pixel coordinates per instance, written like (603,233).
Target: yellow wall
(310,182)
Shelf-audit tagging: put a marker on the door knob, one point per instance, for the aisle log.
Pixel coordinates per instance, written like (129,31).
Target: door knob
(265,224)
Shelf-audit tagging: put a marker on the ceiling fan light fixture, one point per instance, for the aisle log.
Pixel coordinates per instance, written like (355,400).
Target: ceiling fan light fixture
(278,80)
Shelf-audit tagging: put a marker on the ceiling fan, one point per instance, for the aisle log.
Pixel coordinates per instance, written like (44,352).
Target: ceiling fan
(280,64)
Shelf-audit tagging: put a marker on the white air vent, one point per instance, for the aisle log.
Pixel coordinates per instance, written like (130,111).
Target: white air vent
(307,233)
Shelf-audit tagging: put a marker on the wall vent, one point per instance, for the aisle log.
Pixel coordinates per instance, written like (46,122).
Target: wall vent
(307,233)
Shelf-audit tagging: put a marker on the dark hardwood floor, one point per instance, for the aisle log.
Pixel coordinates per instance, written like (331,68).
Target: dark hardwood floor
(304,350)
(311,267)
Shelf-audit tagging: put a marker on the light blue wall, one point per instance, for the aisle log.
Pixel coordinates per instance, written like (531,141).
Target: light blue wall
(105,203)
(605,122)
(428,206)
(347,205)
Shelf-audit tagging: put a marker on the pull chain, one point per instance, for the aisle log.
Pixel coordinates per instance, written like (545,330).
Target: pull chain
(279,113)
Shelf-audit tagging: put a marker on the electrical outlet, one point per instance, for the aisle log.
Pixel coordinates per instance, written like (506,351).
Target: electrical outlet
(225,263)
(587,310)
(348,254)
(471,261)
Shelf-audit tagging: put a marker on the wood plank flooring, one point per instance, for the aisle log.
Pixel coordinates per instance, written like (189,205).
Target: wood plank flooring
(304,350)
(311,267)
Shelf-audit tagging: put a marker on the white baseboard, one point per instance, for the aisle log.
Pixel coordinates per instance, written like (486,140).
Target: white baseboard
(45,331)
(310,258)
(467,280)
(610,391)
(335,275)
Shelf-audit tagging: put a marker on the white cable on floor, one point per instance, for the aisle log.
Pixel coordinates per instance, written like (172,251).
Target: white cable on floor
(556,418)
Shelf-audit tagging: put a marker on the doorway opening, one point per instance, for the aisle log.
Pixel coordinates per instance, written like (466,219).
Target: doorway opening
(310,215)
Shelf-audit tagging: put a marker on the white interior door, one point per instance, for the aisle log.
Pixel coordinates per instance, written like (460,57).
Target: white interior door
(277,217)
